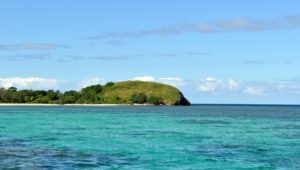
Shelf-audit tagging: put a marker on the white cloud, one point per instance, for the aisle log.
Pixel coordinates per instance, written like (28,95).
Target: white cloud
(170,79)
(210,84)
(229,86)
(144,78)
(291,87)
(233,84)
(29,82)
(174,81)
(91,81)
(254,90)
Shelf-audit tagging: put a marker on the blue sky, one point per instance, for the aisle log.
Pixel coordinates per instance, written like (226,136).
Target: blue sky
(215,52)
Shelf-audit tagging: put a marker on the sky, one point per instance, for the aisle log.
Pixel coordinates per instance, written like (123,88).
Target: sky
(214,51)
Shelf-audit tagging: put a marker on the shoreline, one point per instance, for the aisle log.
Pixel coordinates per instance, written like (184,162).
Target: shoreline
(37,104)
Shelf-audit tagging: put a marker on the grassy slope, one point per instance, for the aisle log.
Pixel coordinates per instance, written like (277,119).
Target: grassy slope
(124,90)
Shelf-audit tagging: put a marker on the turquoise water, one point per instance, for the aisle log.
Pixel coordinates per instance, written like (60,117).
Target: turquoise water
(194,137)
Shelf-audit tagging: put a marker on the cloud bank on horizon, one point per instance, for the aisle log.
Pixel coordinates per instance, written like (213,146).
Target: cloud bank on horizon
(215,85)
(30,83)
(208,85)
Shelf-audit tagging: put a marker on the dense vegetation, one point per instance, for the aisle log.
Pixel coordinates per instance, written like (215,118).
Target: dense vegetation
(128,92)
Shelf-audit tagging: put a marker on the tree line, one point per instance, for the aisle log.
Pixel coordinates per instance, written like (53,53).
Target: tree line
(87,95)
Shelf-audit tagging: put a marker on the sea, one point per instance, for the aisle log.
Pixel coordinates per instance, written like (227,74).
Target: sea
(150,137)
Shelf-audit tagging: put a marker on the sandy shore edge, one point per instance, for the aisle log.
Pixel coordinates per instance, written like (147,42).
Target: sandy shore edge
(31,104)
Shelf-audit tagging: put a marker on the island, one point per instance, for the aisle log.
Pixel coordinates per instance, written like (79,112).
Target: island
(122,93)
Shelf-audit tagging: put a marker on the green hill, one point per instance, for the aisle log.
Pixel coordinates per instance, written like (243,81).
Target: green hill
(127,91)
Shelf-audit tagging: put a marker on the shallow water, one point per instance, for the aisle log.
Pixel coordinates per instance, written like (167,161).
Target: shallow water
(194,137)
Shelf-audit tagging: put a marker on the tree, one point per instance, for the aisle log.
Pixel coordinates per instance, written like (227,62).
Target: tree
(139,98)
(42,99)
(112,99)
(90,94)
(39,92)
(94,89)
(53,95)
(12,95)
(109,84)
(2,94)
(69,97)
(28,95)
(12,89)
(155,100)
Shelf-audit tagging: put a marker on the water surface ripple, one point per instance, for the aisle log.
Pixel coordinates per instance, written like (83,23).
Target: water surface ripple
(194,137)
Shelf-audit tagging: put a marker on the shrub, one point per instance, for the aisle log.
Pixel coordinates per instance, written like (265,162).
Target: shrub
(109,84)
(155,100)
(139,98)
(42,99)
(94,89)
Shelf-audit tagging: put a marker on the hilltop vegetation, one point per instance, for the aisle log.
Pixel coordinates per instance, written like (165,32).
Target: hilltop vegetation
(127,92)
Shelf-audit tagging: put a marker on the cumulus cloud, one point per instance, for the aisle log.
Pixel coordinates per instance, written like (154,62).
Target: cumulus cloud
(291,87)
(268,87)
(91,81)
(30,82)
(254,90)
(207,85)
(233,84)
(210,84)
(31,46)
(229,86)
(174,81)
(144,78)
(226,25)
